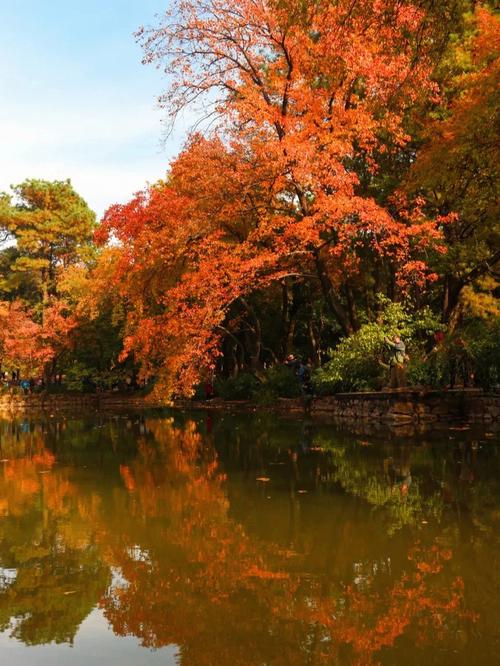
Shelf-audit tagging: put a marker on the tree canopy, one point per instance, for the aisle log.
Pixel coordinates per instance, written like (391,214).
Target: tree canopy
(345,159)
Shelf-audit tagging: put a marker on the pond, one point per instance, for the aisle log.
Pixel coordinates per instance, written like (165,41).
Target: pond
(202,539)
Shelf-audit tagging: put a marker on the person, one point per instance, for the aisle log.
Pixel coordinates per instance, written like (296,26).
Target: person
(25,385)
(292,363)
(397,360)
(209,388)
(304,374)
(459,363)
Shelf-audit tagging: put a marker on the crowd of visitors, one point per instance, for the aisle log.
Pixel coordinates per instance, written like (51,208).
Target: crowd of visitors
(28,385)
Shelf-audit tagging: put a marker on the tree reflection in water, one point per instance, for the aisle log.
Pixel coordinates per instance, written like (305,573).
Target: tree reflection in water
(329,558)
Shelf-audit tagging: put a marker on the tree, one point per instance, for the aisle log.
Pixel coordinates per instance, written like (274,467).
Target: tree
(22,347)
(52,227)
(457,170)
(92,355)
(300,95)
(27,345)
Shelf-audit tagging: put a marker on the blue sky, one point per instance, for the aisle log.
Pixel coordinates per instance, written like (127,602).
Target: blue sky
(75,100)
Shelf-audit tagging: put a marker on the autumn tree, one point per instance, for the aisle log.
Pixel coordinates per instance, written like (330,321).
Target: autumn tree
(457,169)
(49,230)
(304,100)
(92,357)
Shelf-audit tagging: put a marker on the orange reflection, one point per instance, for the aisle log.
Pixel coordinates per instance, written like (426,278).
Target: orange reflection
(186,571)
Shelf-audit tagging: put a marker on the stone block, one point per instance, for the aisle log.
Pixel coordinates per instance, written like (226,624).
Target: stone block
(406,407)
(391,417)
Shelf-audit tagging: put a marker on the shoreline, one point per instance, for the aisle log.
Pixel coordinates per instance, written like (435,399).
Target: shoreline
(415,406)
(397,406)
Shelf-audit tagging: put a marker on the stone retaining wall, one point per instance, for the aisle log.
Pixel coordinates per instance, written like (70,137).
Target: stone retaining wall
(399,406)
(415,406)
(15,403)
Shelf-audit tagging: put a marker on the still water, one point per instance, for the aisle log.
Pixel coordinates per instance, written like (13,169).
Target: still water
(200,539)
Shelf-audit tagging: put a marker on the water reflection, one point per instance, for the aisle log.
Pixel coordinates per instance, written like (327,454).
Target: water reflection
(246,540)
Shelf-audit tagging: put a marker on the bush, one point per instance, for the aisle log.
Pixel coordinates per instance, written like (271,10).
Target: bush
(480,340)
(355,363)
(278,381)
(358,363)
(429,371)
(242,387)
(56,389)
(77,379)
(265,396)
(471,353)
(282,382)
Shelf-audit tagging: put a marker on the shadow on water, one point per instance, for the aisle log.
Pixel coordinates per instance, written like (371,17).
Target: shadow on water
(248,539)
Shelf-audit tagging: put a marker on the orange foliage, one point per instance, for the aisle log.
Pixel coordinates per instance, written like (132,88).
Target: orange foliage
(189,573)
(28,345)
(201,564)
(302,94)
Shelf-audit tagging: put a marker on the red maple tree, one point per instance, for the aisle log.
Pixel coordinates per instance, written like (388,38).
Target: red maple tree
(304,99)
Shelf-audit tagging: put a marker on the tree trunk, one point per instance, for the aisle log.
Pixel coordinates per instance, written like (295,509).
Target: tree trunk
(351,307)
(332,297)
(289,318)
(255,348)
(315,354)
(451,300)
(234,353)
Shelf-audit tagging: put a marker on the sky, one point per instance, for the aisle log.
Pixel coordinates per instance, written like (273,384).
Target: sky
(75,100)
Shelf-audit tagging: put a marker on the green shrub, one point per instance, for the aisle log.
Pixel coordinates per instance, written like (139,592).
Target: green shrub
(471,353)
(76,378)
(354,364)
(242,387)
(360,361)
(56,389)
(429,371)
(281,381)
(278,381)
(265,395)
(481,338)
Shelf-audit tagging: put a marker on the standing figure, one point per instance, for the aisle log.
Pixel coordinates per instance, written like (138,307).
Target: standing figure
(397,360)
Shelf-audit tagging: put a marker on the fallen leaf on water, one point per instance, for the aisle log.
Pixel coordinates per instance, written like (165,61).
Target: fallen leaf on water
(263,478)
